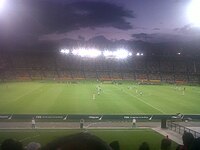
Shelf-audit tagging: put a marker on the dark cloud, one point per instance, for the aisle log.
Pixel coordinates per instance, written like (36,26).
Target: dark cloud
(81,38)
(99,14)
(168,44)
(46,16)
(184,29)
(143,36)
(156,29)
(163,37)
(188,30)
(98,42)
(27,20)
(159,37)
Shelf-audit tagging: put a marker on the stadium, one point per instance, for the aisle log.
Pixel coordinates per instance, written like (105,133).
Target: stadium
(57,83)
(128,91)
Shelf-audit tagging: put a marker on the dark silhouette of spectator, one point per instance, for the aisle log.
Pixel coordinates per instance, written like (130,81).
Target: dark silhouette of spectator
(33,146)
(188,140)
(80,141)
(196,144)
(10,144)
(115,145)
(166,144)
(144,146)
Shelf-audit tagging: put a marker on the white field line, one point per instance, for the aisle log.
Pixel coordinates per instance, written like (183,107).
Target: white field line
(143,101)
(90,125)
(27,138)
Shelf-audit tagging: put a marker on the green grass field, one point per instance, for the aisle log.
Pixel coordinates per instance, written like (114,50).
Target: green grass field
(128,139)
(61,98)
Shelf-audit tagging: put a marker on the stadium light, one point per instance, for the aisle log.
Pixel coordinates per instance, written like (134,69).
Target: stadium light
(3,7)
(129,54)
(74,52)
(137,54)
(193,12)
(2,3)
(121,54)
(107,53)
(64,51)
(93,53)
(118,54)
(83,52)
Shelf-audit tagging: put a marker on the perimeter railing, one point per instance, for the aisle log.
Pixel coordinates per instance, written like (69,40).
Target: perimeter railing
(181,129)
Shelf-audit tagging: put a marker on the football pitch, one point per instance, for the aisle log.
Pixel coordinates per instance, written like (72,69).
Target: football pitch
(97,98)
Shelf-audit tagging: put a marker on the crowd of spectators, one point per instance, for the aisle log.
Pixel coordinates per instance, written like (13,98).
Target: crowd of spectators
(87,141)
(24,66)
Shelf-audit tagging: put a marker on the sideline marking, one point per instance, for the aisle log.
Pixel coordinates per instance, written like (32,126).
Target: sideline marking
(27,138)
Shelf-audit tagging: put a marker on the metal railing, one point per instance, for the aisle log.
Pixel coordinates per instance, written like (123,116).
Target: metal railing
(181,129)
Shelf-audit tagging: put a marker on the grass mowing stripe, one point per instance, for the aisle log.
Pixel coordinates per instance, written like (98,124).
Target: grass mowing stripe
(25,94)
(60,98)
(143,101)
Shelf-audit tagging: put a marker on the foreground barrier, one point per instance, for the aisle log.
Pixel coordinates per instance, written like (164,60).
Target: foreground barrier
(181,129)
(91,117)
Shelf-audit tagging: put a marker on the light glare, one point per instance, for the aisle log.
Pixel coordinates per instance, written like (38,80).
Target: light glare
(2,3)
(107,53)
(64,51)
(121,54)
(83,52)
(193,12)
(93,53)
(138,54)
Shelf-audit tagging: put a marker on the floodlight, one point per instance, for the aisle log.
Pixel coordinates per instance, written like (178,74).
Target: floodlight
(79,51)
(107,53)
(83,52)
(193,12)
(94,52)
(74,52)
(2,3)
(178,53)
(121,53)
(141,54)
(137,54)
(64,51)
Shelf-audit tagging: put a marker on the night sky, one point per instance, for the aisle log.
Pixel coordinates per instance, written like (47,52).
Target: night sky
(55,24)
